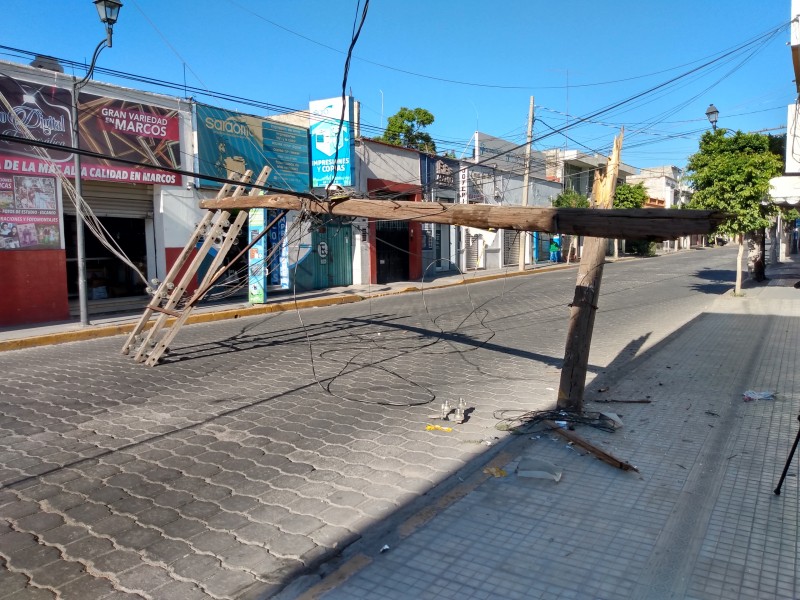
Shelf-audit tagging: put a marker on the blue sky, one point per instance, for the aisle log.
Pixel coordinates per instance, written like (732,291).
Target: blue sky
(472,64)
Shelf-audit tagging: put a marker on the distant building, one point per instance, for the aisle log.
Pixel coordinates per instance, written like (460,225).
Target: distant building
(664,186)
(576,170)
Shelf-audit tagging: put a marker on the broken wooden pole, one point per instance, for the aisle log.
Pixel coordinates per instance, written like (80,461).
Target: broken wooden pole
(644,223)
(587,292)
(598,452)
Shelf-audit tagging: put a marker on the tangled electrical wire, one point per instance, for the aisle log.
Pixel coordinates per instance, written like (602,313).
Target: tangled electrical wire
(522,421)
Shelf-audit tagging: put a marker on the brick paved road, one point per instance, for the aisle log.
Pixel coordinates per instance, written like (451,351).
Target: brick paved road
(240,462)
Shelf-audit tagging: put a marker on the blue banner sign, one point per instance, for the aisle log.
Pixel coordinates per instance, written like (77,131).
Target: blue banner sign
(228,141)
(331,148)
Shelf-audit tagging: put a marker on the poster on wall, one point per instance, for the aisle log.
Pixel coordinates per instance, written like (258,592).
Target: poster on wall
(331,148)
(256,276)
(124,129)
(28,212)
(278,272)
(229,141)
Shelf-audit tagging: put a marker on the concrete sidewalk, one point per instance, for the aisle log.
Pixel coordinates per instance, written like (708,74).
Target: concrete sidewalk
(699,520)
(106,325)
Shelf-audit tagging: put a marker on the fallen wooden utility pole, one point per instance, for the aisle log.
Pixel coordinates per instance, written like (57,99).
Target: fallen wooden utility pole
(648,223)
(171,299)
(587,293)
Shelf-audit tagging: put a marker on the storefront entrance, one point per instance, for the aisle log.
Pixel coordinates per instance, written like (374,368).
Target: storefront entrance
(391,250)
(126,213)
(107,276)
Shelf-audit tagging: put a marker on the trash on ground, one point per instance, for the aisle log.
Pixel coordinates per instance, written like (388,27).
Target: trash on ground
(612,419)
(430,427)
(461,409)
(385,548)
(535,468)
(445,410)
(750,395)
(495,471)
(609,401)
(601,454)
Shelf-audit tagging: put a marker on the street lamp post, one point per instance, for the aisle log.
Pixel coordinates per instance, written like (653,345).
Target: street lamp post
(712,114)
(108,11)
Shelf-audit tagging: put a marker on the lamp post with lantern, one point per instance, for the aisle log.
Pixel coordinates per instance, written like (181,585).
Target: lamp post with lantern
(108,11)
(712,114)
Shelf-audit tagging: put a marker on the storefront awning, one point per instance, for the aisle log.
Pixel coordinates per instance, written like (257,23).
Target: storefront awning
(785,190)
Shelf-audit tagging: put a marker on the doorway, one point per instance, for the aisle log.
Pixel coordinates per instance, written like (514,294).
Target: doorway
(391,251)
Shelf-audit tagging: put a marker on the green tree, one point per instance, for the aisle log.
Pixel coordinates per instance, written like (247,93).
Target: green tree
(731,173)
(632,196)
(405,128)
(570,199)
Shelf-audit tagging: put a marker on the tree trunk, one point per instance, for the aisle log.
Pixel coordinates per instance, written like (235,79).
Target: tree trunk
(737,290)
(755,255)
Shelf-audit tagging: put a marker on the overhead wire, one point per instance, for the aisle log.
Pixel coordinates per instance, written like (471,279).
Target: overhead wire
(469,83)
(630,99)
(577,121)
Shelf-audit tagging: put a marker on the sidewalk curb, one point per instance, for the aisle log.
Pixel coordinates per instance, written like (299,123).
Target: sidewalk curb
(100,331)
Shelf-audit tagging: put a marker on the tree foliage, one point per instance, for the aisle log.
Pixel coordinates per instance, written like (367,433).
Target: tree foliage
(570,199)
(731,173)
(777,145)
(630,196)
(405,128)
(790,214)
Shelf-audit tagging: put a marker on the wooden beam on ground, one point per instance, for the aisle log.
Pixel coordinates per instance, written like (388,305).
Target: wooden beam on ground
(598,452)
(649,223)
(587,294)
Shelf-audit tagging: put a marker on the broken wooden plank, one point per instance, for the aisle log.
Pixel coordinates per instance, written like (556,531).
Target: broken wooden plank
(646,223)
(579,441)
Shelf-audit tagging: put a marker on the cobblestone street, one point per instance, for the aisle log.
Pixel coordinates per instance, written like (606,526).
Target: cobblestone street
(264,446)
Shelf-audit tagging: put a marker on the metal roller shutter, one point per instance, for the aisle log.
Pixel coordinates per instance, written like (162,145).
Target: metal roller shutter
(473,245)
(511,247)
(115,200)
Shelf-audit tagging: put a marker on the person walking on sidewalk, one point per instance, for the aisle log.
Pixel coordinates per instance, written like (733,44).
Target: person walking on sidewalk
(554,249)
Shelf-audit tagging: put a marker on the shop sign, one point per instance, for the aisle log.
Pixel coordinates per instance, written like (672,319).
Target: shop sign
(229,141)
(129,130)
(331,145)
(133,131)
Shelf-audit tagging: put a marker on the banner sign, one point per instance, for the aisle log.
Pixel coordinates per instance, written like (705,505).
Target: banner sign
(326,139)
(256,280)
(46,112)
(28,212)
(276,272)
(132,131)
(128,130)
(229,141)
